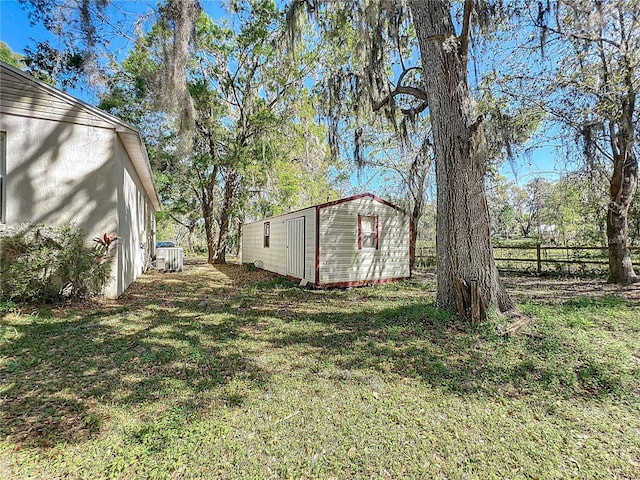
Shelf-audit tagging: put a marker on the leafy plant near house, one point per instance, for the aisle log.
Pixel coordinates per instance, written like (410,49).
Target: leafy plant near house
(106,241)
(45,264)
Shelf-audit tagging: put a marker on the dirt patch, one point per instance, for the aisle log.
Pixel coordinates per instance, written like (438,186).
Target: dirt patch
(200,281)
(560,289)
(552,289)
(241,276)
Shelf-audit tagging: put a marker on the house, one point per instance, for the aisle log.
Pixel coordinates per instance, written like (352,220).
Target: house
(63,161)
(353,241)
(549,233)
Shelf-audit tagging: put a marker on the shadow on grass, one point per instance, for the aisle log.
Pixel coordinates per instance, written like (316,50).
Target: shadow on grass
(416,340)
(57,371)
(192,343)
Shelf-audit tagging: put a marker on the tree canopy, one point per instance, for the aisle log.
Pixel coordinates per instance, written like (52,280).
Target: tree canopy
(254,113)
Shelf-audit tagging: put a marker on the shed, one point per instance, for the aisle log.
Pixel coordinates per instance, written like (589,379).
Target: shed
(353,241)
(63,161)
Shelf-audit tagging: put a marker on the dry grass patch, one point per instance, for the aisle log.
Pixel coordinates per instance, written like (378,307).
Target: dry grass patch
(226,373)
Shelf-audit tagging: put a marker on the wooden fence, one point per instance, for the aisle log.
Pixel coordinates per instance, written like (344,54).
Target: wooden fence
(541,258)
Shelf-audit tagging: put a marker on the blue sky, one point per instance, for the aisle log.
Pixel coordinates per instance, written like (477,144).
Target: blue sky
(16,31)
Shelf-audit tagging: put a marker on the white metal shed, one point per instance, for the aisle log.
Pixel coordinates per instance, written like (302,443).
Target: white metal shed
(353,241)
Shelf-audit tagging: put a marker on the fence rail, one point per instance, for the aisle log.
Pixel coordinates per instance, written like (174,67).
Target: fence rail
(541,258)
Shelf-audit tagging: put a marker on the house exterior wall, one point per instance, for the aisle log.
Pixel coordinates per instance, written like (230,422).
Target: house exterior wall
(340,259)
(136,226)
(274,257)
(51,178)
(22,97)
(67,165)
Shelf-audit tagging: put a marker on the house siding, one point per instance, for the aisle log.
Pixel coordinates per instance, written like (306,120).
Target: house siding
(20,98)
(66,163)
(274,257)
(340,259)
(51,179)
(136,226)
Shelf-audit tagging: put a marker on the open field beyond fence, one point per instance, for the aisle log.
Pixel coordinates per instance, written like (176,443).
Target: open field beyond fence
(230,374)
(542,258)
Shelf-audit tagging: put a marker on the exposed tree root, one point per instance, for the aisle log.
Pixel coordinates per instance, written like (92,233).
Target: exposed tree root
(516,322)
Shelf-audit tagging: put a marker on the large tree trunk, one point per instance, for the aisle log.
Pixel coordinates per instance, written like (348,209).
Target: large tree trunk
(211,239)
(463,241)
(191,236)
(223,234)
(415,219)
(416,182)
(207,205)
(623,184)
(225,218)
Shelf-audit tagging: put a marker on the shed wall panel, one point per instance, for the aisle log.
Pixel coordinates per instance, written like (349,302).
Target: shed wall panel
(295,247)
(341,261)
(274,257)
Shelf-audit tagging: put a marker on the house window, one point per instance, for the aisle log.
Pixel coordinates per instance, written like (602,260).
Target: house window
(3,176)
(267,234)
(368,232)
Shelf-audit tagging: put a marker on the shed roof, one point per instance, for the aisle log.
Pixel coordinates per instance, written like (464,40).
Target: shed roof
(78,112)
(361,195)
(337,202)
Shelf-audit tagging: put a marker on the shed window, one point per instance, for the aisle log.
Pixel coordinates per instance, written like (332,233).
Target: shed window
(3,175)
(368,232)
(267,233)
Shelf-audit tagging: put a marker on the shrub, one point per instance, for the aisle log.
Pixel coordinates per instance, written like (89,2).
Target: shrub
(44,264)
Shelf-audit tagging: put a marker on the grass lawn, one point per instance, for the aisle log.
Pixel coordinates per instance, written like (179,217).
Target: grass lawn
(223,373)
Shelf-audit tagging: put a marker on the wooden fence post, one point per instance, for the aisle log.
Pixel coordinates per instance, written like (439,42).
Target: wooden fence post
(539,259)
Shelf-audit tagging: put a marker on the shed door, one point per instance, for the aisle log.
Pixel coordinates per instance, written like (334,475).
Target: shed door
(295,247)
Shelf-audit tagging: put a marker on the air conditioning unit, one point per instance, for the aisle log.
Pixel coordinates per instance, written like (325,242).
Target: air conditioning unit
(169,259)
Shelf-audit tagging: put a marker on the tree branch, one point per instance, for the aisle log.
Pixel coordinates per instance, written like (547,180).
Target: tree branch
(404,73)
(419,109)
(178,221)
(580,36)
(466,28)
(281,93)
(400,90)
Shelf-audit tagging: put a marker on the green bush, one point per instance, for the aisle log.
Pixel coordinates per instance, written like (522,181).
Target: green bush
(44,264)
(250,267)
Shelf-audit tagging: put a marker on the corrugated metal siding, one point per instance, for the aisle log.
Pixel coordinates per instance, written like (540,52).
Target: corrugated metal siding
(295,247)
(274,258)
(340,258)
